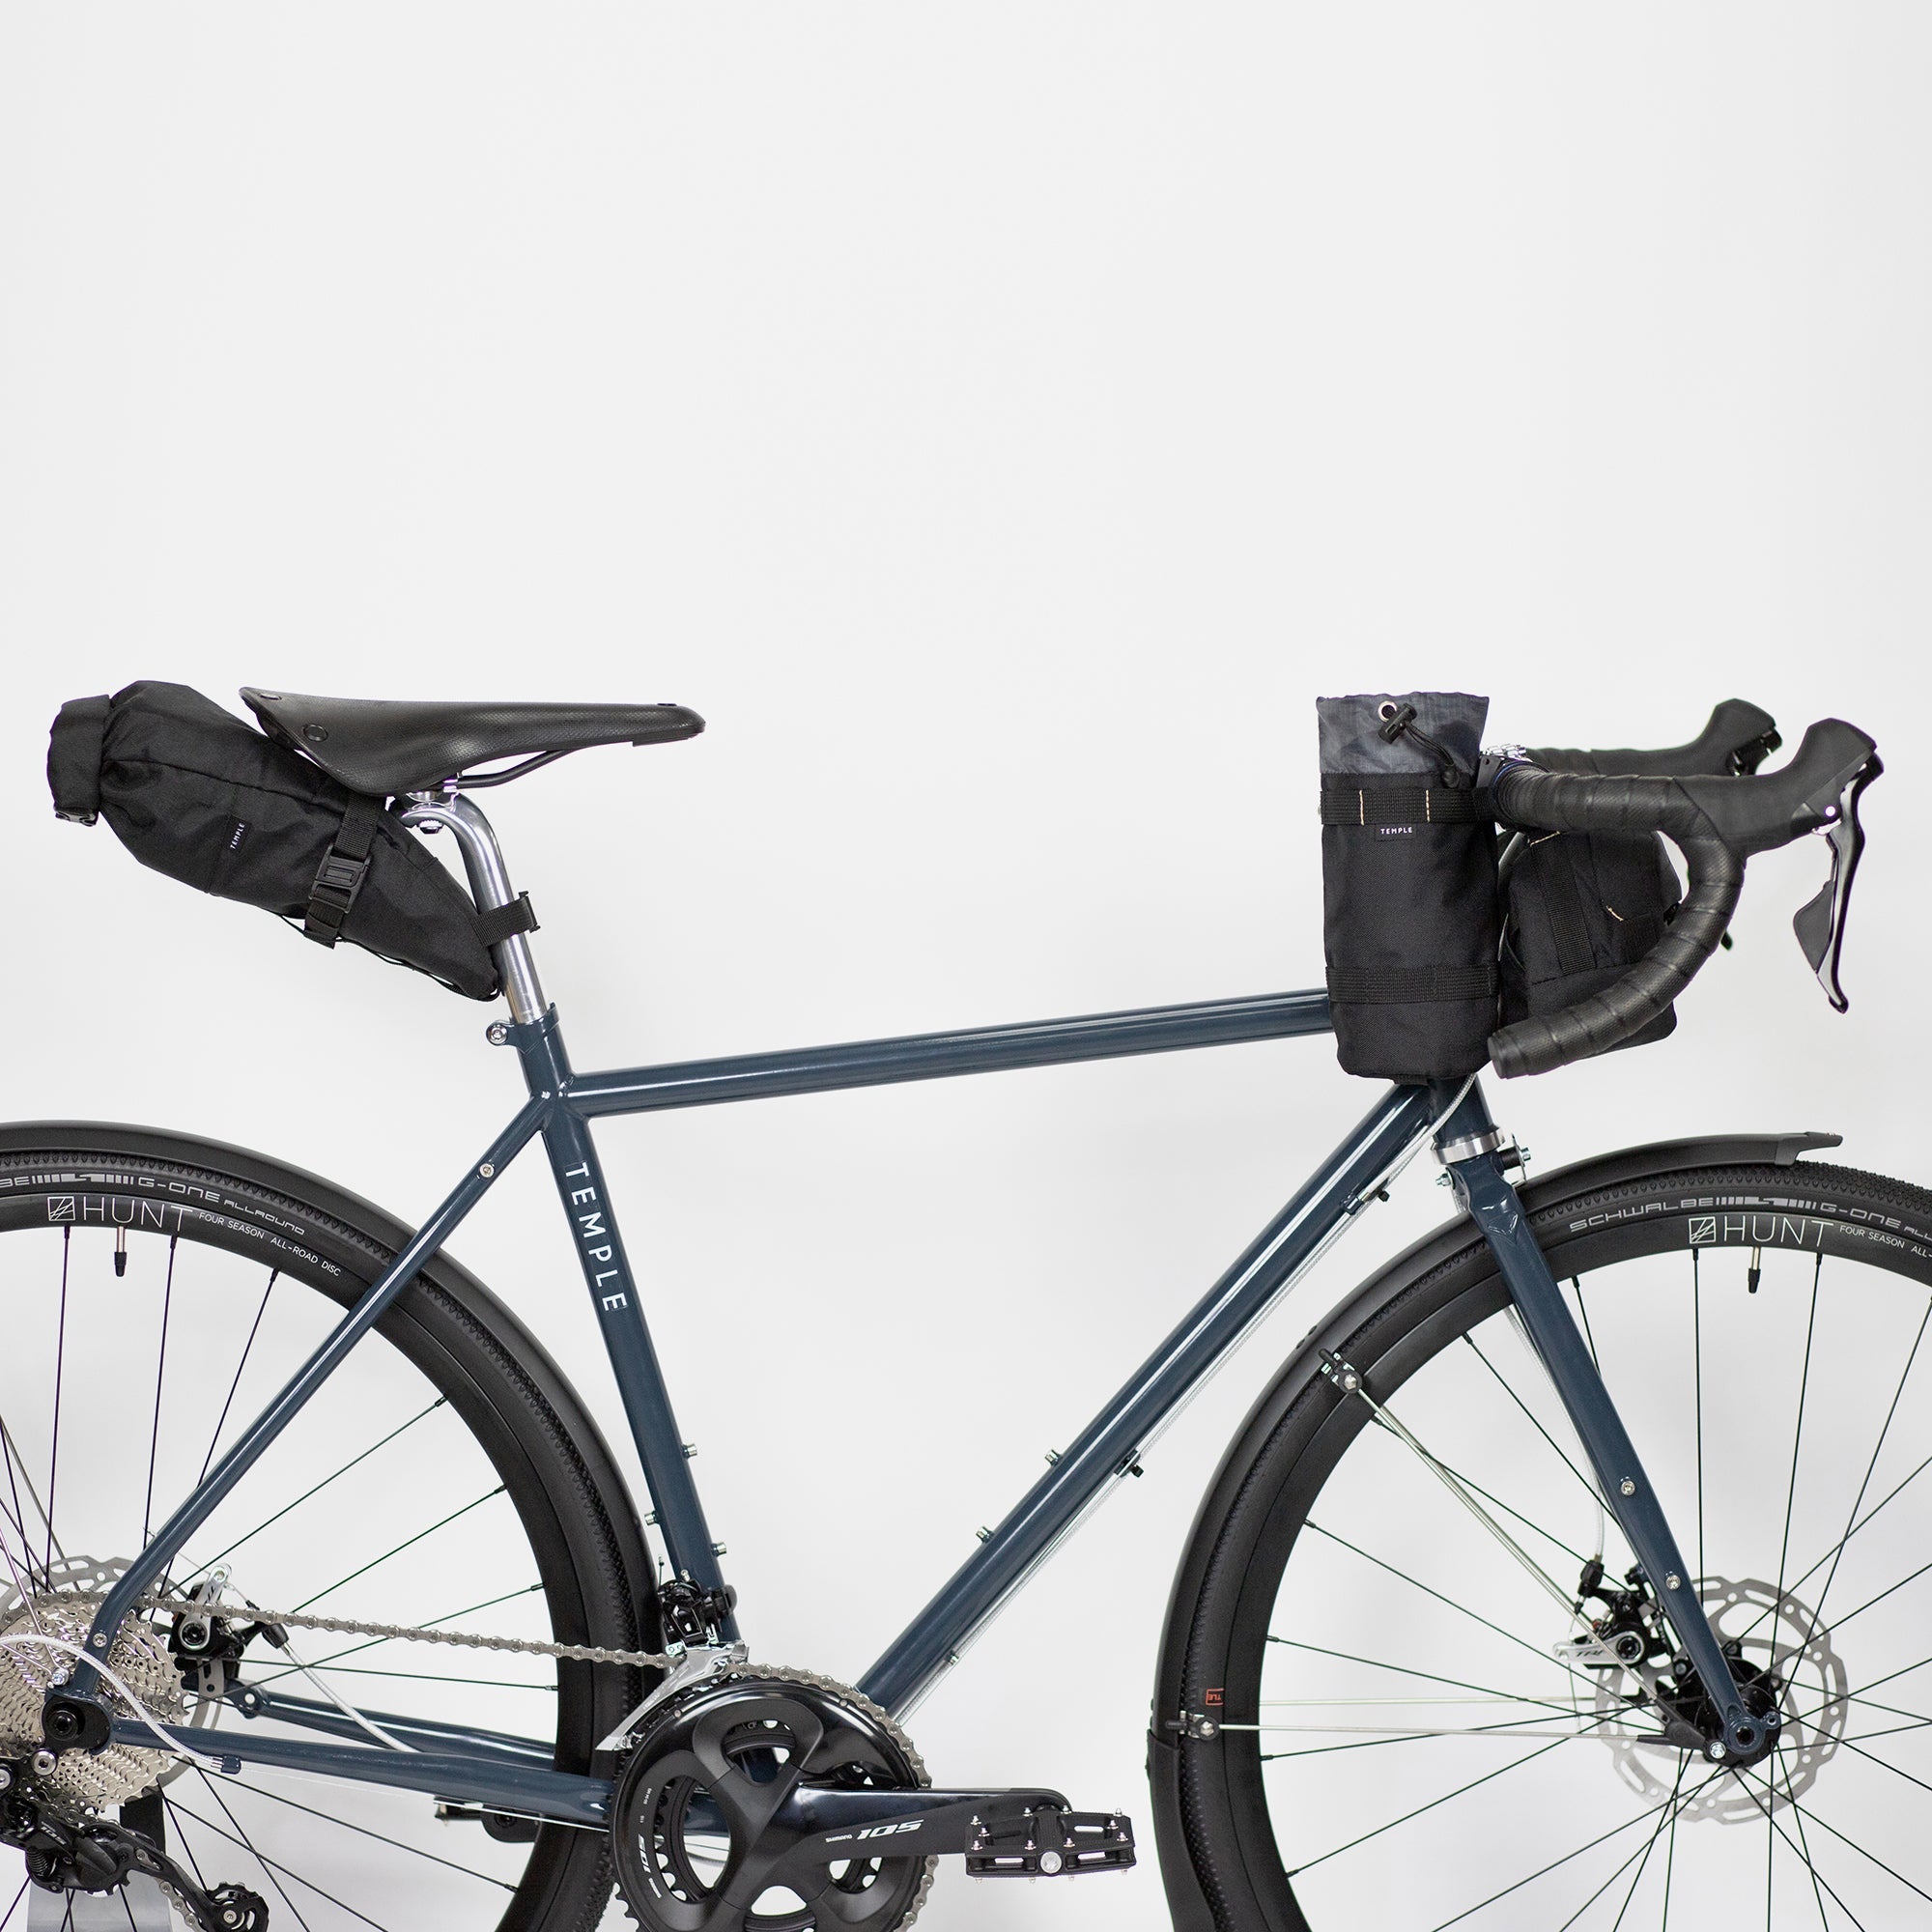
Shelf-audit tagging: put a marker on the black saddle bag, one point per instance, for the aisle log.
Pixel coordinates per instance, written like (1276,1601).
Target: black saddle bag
(1408,882)
(1581,909)
(193,792)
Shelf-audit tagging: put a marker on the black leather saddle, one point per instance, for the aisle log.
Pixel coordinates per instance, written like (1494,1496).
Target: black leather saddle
(381,749)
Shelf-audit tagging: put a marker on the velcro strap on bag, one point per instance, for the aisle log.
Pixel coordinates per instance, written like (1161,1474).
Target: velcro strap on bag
(1398,986)
(74,758)
(343,868)
(504,922)
(1347,803)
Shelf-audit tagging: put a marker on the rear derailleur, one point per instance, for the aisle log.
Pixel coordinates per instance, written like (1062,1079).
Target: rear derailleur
(99,1855)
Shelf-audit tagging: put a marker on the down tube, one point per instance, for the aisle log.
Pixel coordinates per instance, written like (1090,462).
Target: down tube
(1111,1443)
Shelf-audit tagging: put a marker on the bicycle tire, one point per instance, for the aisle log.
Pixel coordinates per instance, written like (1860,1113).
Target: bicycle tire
(1241,1853)
(592,1576)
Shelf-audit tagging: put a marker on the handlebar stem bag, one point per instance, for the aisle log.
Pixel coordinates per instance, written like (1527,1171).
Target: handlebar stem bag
(1582,908)
(194,792)
(1409,884)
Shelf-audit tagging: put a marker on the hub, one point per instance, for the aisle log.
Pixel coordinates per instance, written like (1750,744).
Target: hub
(1782,1662)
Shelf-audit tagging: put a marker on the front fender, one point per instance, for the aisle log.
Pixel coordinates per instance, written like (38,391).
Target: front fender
(1187,1900)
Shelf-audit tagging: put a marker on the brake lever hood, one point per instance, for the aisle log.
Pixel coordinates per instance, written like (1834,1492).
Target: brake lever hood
(1820,923)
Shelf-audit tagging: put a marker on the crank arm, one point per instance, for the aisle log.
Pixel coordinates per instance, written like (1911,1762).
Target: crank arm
(865,1824)
(1002,1834)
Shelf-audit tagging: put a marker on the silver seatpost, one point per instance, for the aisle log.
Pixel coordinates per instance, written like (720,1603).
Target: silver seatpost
(489,887)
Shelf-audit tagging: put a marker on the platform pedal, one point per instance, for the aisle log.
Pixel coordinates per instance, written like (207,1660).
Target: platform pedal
(1046,1843)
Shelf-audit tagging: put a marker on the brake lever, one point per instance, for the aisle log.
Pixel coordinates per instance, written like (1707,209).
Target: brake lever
(1820,925)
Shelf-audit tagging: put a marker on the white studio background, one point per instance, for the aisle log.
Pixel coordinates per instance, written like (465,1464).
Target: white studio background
(1000,423)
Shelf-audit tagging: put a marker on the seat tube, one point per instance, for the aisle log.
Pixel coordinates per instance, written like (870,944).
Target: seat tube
(676,1510)
(1474,1151)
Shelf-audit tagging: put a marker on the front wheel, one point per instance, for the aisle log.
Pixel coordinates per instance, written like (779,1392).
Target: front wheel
(1413,1682)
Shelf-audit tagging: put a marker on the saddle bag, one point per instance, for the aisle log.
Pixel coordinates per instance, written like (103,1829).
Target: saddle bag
(193,792)
(1409,884)
(1581,909)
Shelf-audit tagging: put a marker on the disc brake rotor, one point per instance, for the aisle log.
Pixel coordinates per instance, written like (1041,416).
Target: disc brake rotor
(1780,1637)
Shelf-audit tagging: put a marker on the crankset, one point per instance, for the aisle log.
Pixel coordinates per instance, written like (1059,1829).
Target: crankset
(780,1802)
(99,1856)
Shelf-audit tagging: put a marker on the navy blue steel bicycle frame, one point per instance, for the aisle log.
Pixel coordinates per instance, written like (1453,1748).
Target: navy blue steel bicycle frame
(515,1775)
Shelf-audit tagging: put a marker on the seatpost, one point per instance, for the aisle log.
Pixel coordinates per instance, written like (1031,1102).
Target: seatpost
(490,888)
(1477,1153)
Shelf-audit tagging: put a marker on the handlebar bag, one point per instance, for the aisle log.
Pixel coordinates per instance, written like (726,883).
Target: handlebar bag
(1409,884)
(1582,908)
(193,792)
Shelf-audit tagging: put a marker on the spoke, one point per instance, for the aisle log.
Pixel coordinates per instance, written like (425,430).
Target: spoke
(1825,1825)
(1799,1583)
(1798,1432)
(429,1677)
(14,1476)
(1615,1831)
(160,1370)
(1589,1488)
(238,1837)
(407,1542)
(1912,1577)
(1583,1314)
(323,1484)
(60,1368)
(14,1907)
(260,1791)
(1435,1804)
(1884,1763)
(180,1837)
(1818,1887)
(1668,1817)
(274,1866)
(1521,1643)
(1670,1869)
(1885,1429)
(1407,1670)
(1859,1697)
(274,1275)
(1800,1814)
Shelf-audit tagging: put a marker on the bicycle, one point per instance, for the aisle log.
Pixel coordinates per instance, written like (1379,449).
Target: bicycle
(1493,1566)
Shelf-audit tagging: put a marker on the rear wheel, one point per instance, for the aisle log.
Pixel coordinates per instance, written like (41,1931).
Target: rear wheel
(1390,1716)
(440,1478)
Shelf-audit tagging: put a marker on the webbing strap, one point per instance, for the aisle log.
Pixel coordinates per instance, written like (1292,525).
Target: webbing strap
(1404,986)
(502,921)
(343,868)
(1559,879)
(1344,802)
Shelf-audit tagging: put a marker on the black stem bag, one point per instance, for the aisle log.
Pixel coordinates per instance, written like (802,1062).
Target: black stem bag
(1409,883)
(194,792)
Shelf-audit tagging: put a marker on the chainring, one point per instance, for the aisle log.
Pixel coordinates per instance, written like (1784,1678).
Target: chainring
(689,1823)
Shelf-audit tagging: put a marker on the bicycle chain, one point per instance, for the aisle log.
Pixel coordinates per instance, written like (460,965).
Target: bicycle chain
(574,1652)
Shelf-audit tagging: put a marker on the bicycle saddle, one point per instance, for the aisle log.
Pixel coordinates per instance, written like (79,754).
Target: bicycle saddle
(382,747)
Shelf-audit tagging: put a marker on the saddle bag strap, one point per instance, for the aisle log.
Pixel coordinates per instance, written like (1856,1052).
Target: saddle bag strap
(343,867)
(504,922)
(74,758)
